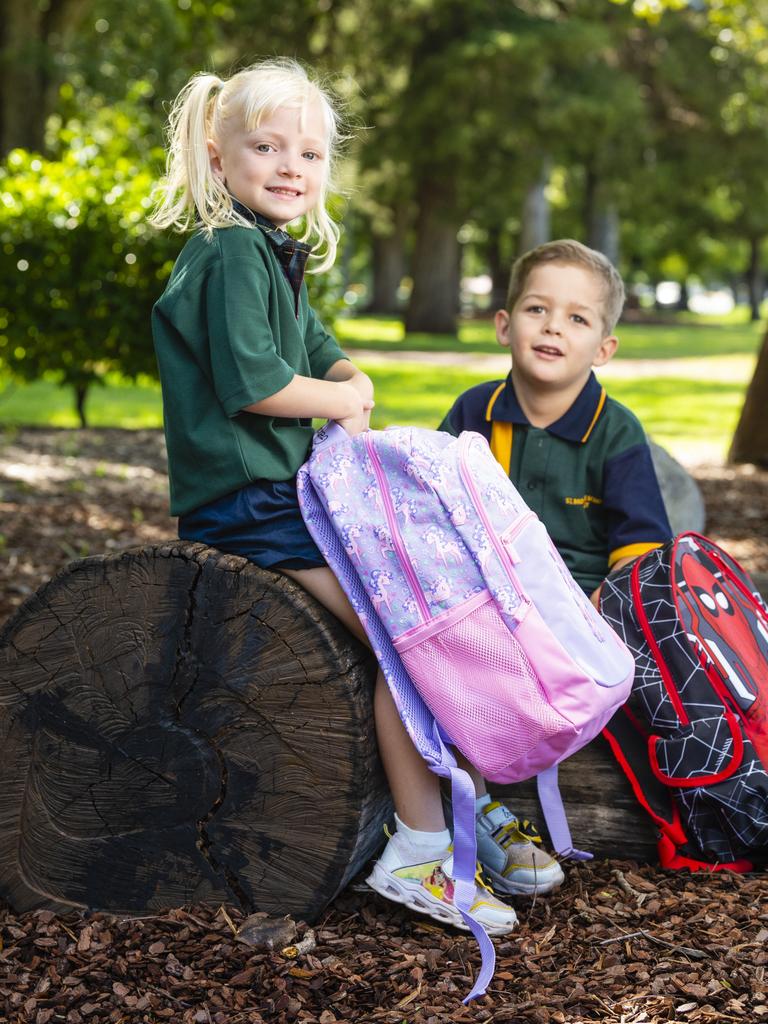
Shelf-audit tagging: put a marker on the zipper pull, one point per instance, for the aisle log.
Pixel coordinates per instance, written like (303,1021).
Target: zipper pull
(511,550)
(329,434)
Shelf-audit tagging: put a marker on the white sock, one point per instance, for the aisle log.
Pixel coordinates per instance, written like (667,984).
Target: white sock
(481,802)
(425,844)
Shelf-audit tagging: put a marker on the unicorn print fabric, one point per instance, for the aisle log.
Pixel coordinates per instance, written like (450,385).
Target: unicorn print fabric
(434,546)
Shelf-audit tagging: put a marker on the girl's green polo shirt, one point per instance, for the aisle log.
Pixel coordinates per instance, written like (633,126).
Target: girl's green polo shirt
(227,334)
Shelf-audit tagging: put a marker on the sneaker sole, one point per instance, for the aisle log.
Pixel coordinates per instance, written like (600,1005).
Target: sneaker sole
(416,899)
(539,887)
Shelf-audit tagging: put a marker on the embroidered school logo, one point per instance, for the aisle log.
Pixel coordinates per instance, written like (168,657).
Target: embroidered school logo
(585,501)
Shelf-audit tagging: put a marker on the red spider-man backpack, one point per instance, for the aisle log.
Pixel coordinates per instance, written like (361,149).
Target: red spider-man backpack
(693,737)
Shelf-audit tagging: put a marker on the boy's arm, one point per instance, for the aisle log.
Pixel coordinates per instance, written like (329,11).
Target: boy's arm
(468,411)
(447,425)
(594,597)
(633,502)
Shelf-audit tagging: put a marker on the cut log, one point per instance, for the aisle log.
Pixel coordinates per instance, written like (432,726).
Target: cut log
(179,726)
(603,813)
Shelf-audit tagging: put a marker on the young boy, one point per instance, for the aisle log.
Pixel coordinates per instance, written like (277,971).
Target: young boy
(580,459)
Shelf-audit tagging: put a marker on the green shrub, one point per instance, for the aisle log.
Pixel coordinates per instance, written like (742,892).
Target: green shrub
(79,265)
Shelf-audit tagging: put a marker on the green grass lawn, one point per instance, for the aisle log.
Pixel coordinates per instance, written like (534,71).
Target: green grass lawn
(679,412)
(683,415)
(637,341)
(119,403)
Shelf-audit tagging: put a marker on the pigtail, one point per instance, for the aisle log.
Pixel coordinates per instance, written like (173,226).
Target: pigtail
(190,189)
(321,226)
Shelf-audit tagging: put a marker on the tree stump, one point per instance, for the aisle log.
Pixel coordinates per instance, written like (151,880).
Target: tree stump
(603,813)
(179,726)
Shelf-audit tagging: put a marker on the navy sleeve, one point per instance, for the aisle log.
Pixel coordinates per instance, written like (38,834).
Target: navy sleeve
(449,421)
(468,411)
(634,507)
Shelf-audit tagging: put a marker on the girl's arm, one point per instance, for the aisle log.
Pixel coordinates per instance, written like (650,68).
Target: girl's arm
(346,371)
(307,398)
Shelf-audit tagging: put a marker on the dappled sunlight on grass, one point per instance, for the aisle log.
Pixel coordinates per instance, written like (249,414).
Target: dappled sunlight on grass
(44,403)
(679,413)
(701,409)
(636,341)
(676,412)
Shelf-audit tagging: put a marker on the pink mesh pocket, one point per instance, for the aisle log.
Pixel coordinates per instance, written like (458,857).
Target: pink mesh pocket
(481,687)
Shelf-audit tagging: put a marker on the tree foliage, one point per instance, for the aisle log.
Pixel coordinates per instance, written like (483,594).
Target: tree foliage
(79,265)
(647,115)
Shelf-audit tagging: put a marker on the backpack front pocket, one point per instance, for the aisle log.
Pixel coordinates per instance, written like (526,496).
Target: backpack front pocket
(478,682)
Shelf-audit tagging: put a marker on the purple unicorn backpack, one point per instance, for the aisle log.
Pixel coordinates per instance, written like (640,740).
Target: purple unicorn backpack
(485,640)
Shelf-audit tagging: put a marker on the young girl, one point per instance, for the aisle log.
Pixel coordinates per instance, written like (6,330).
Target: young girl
(245,365)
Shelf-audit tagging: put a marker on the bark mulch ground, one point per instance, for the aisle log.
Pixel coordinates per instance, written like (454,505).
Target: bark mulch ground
(619,942)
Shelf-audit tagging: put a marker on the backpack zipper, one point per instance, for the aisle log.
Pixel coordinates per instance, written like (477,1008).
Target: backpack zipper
(504,556)
(397,541)
(674,696)
(645,625)
(511,533)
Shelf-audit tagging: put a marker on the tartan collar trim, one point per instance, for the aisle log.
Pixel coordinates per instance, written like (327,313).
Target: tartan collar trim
(291,254)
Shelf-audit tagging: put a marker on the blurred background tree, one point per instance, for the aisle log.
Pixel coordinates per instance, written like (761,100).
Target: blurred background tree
(638,126)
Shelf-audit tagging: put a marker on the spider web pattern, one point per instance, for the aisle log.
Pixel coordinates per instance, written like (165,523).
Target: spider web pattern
(724,819)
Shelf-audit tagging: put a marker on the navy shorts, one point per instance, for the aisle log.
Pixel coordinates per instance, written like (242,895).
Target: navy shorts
(262,522)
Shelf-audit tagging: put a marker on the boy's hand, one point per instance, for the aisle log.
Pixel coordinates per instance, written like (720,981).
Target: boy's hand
(595,595)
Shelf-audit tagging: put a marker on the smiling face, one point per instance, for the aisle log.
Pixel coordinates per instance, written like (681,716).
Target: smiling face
(279,168)
(556,330)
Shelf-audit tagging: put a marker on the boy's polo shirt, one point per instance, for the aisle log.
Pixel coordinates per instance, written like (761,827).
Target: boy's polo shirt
(228,332)
(589,476)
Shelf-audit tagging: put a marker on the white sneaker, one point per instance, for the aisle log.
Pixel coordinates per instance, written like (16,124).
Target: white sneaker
(428,888)
(510,852)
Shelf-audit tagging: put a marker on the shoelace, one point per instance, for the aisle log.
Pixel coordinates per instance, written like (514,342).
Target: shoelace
(479,880)
(512,832)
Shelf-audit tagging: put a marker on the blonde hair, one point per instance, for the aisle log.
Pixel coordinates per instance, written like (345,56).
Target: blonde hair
(190,195)
(572,253)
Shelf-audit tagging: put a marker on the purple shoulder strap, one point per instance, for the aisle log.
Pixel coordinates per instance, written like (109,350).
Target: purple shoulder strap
(421,725)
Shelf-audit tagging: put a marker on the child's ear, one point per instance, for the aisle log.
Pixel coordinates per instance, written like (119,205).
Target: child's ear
(214,158)
(606,350)
(502,320)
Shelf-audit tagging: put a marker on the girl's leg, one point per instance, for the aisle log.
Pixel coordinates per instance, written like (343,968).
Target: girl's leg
(415,789)
(416,865)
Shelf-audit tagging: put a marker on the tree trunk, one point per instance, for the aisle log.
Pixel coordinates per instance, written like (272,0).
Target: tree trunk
(81,393)
(388,270)
(755,279)
(180,726)
(682,303)
(499,270)
(601,218)
(28,34)
(750,440)
(436,261)
(604,231)
(603,813)
(537,226)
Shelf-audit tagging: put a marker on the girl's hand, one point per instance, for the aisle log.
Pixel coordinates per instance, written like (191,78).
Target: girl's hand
(345,372)
(359,418)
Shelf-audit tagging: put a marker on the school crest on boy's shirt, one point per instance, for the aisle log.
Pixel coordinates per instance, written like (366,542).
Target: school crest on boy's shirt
(584,501)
